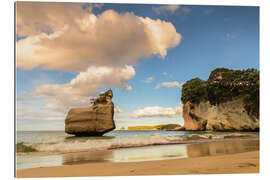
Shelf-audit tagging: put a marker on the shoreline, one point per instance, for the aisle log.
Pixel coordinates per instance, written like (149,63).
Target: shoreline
(194,163)
(246,162)
(202,139)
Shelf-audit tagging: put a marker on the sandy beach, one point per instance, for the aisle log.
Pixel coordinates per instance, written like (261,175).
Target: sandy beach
(247,162)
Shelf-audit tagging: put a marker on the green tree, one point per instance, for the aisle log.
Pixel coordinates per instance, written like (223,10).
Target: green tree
(194,91)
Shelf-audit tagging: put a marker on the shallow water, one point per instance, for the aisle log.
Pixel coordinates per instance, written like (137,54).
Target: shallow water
(147,153)
(61,136)
(58,142)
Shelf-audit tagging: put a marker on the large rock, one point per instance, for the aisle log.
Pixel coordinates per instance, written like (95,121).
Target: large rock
(94,120)
(227,116)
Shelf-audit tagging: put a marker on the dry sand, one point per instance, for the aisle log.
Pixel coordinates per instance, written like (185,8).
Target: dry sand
(247,162)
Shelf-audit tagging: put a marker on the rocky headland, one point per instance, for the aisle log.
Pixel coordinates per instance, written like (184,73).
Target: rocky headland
(94,120)
(227,101)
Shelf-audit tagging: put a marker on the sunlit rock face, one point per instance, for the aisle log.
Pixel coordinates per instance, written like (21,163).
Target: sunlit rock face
(227,116)
(227,101)
(94,120)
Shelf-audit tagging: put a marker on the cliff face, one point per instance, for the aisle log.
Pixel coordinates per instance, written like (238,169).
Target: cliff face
(227,101)
(227,116)
(94,120)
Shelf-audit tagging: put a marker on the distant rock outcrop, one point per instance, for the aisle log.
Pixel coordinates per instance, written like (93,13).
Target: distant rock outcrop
(94,120)
(179,128)
(227,101)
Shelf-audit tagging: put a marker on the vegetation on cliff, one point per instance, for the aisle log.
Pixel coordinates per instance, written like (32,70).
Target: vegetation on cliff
(225,85)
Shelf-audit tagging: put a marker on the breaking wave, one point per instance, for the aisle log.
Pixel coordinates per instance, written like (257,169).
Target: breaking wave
(138,141)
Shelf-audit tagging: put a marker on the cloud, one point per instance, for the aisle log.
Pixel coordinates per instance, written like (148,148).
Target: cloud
(117,109)
(165,8)
(148,80)
(63,36)
(157,86)
(85,85)
(156,111)
(45,17)
(89,7)
(27,114)
(128,88)
(69,37)
(173,84)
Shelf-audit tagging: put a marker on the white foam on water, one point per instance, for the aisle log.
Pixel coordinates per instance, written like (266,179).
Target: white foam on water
(136,141)
(77,146)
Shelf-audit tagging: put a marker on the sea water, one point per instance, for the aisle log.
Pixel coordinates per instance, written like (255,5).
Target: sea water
(61,136)
(58,148)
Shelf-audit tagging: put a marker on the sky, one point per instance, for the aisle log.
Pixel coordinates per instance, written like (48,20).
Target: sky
(67,53)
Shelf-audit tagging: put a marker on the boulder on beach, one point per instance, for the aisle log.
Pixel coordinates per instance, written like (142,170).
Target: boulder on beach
(94,120)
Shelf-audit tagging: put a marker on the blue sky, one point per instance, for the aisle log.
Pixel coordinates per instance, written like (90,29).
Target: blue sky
(211,37)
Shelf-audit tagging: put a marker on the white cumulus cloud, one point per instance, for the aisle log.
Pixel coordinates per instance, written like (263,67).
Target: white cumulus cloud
(102,48)
(85,85)
(77,39)
(172,84)
(156,111)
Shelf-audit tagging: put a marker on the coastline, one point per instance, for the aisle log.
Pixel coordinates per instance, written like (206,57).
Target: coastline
(141,141)
(247,162)
(213,163)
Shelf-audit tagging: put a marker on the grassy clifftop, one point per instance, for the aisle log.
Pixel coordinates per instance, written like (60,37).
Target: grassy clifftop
(225,85)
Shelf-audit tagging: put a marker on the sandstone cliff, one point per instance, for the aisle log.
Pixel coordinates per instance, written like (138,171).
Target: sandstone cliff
(227,101)
(94,120)
(227,116)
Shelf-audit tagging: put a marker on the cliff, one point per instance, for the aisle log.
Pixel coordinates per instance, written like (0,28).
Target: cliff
(94,120)
(227,101)
(227,116)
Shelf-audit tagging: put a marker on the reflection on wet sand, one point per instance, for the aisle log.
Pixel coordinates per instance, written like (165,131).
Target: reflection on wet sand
(218,148)
(86,157)
(160,152)
(149,153)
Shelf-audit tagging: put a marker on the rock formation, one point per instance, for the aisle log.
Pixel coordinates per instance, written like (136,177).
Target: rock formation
(227,101)
(94,120)
(227,116)
(179,128)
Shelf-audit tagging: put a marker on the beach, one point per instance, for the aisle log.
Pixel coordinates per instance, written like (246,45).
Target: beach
(247,162)
(152,154)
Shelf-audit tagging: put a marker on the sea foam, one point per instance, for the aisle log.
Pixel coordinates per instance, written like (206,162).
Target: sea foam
(137,141)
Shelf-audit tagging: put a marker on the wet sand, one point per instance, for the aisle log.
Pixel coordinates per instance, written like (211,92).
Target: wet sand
(246,162)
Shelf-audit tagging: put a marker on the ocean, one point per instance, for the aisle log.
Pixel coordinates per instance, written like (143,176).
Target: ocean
(61,136)
(58,148)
